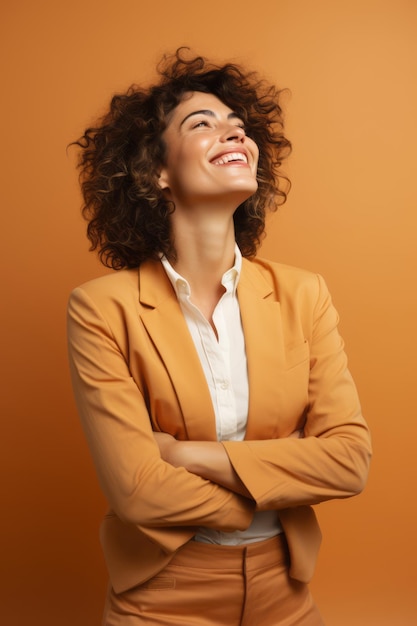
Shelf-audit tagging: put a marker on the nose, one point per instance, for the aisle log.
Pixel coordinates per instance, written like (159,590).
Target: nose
(233,133)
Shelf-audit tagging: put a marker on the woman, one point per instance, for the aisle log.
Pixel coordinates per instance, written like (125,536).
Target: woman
(212,385)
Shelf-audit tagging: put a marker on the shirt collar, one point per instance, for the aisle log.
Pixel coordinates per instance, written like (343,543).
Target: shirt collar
(230,278)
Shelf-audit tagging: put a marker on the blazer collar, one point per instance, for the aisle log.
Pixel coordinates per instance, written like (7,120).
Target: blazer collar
(261,319)
(162,316)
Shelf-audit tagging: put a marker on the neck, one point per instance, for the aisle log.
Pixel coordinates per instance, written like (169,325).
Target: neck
(205,248)
(205,251)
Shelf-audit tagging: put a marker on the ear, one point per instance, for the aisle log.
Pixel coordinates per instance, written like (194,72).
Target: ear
(163,179)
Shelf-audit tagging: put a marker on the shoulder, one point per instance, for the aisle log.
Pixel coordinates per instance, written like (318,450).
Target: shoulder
(130,289)
(112,284)
(108,290)
(302,295)
(282,280)
(115,280)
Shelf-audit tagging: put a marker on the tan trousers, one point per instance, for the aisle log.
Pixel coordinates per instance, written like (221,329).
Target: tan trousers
(208,585)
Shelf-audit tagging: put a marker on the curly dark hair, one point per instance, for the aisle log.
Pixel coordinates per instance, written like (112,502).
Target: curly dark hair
(121,156)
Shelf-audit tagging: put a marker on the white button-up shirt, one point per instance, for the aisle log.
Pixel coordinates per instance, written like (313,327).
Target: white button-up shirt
(223,359)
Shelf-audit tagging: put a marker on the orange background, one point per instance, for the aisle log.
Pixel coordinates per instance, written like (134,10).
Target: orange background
(351,215)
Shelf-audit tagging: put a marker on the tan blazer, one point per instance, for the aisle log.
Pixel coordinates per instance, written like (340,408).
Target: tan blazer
(135,369)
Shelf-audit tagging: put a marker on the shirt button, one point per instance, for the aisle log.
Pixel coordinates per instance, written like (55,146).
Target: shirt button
(225,384)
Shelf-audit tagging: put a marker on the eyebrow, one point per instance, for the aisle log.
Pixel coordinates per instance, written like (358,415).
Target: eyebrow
(231,115)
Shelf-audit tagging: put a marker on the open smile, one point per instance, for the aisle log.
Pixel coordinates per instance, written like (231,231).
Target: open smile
(238,158)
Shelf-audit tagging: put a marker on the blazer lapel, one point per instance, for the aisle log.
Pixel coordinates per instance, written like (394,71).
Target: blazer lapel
(162,316)
(261,320)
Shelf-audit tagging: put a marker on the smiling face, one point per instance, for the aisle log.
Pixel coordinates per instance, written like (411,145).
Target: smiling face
(209,158)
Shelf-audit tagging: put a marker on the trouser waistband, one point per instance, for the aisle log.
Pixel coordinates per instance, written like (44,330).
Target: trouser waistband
(199,555)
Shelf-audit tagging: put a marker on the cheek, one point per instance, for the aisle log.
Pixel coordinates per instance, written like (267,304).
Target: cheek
(199,142)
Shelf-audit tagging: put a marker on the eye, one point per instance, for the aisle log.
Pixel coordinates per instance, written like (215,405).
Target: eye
(201,124)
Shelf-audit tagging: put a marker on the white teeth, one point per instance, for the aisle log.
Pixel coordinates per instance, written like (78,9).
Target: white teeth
(231,156)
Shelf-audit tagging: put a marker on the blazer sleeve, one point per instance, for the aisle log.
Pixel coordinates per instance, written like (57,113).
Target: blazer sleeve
(331,459)
(140,487)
